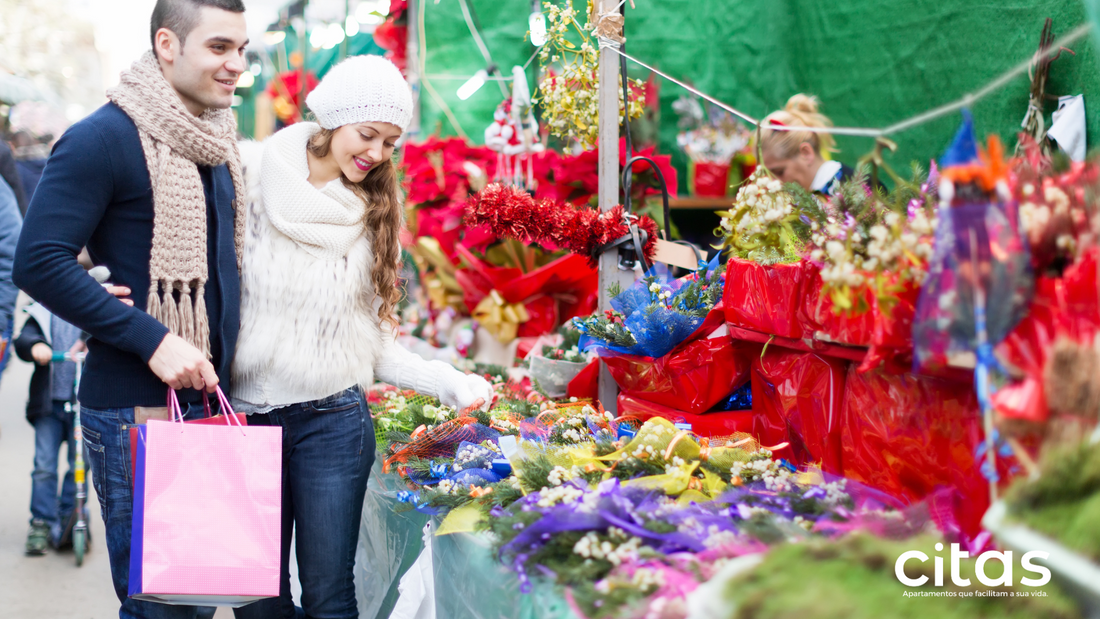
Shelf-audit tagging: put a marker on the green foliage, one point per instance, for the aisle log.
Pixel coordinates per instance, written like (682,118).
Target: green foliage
(397,436)
(699,296)
(521,407)
(497,372)
(854,578)
(535,474)
(1064,502)
(609,328)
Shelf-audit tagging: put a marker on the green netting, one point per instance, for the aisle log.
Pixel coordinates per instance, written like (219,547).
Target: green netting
(871,62)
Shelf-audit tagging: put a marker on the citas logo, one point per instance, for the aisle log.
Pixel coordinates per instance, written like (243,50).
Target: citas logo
(1004,558)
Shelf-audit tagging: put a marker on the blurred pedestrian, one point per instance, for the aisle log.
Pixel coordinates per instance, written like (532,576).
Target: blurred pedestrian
(10,174)
(10,224)
(35,127)
(30,160)
(49,410)
(151,184)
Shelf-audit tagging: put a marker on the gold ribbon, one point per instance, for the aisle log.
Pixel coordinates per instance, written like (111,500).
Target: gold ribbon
(499,317)
(437,275)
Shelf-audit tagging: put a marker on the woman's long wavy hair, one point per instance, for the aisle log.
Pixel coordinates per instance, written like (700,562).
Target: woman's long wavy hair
(385,217)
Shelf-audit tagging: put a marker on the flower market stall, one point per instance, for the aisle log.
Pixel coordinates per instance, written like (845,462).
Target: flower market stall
(761,427)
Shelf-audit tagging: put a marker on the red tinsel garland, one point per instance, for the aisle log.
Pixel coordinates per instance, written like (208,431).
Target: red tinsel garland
(513,213)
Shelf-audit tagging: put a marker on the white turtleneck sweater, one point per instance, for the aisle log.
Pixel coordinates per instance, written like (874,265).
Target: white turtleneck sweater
(305,332)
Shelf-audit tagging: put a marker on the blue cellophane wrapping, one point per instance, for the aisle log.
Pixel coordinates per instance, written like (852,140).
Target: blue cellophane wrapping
(944,325)
(656,329)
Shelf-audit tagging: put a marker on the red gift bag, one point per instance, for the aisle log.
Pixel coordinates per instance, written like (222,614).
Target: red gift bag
(910,436)
(796,399)
(710,179)
(695,375)
(722,423)
(765,299)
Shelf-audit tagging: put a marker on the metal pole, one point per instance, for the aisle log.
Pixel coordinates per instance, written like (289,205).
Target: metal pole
(303,42)
(412,65)
(608,103)
(344,41)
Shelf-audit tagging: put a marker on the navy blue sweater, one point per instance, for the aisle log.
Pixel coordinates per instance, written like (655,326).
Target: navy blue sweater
(95,192)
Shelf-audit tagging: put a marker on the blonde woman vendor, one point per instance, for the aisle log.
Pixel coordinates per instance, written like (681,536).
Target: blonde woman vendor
(802,156)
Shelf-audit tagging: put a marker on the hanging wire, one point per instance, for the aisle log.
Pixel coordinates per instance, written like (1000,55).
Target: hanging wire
(475,32)
(427,82)
(966,100)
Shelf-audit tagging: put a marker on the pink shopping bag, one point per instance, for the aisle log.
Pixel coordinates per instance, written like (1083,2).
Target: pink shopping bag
(206,517)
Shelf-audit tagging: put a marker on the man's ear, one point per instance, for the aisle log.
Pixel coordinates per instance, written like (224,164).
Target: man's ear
(166,45)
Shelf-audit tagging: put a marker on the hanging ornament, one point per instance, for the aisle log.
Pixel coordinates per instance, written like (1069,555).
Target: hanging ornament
(513,135)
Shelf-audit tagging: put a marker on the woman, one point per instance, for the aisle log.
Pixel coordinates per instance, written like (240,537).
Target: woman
(802,156)
(318,295)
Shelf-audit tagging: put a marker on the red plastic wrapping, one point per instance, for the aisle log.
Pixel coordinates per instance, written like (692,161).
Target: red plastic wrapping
(910,436)
(721,423)
(893,330)
(695,375)
(796,399)
(764,298)
(710,179)
(551,294)
(585,385)
(818,317)
(1067,306)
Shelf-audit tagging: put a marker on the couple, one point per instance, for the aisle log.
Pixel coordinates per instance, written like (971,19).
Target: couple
(275,278)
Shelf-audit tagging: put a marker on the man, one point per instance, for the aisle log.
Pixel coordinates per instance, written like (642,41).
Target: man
(151,184)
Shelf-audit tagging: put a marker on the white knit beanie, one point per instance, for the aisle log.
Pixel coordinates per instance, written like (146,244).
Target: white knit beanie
(362,89)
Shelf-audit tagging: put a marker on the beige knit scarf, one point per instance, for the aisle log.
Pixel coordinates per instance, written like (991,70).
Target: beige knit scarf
(175,143)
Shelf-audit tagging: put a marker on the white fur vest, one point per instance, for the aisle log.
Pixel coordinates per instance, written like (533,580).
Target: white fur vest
(306,332)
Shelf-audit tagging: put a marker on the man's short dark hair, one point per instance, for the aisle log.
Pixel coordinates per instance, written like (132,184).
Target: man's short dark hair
(181,16)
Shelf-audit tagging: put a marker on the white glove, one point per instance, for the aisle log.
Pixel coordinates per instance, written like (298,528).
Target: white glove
(462,391)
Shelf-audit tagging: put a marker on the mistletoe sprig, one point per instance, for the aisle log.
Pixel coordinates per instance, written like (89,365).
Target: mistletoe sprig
(866,237)
(761,226)
(568,98)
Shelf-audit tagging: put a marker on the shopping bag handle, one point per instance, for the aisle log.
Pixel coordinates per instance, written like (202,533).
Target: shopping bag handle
(176,412)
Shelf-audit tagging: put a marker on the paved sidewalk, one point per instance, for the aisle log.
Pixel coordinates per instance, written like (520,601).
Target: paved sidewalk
(49,587)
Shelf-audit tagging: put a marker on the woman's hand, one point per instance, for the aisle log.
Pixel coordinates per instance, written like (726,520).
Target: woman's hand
(120,293)
(465,391)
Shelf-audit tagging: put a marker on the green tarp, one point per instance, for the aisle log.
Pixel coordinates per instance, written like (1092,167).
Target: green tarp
(872,63)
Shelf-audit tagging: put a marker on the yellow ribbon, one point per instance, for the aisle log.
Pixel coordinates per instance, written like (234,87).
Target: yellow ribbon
(499,317)
(437,275)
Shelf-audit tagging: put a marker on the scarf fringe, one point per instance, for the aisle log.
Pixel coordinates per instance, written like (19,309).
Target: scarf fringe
(202,322)
(187,315)
(185,318)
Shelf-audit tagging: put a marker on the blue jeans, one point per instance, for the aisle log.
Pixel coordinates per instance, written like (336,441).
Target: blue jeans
(107,440)
(328,450)
(49,432)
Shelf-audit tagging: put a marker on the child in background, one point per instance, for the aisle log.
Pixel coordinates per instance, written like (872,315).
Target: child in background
(49,410)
